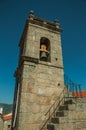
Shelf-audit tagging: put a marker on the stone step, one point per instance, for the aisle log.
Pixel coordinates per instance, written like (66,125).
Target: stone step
(67,107)
(69,95)
(59,113)
(63,120)
(71,107)
(58,120)
(68,101)
(55,120)
(69,116)
(81,125)
(65,126)
(62,126)
(51,127)
(63,107)
(44,129)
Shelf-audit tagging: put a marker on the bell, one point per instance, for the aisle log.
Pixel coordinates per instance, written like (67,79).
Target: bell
(43,55)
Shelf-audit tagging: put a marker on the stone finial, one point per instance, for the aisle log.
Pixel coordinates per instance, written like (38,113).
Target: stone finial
(31,14)
(56,22)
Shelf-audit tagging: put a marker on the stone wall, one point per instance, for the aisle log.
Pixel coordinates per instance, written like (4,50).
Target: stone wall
(75,117)
(79,116)
(7,125)
(1,122)
(40,87)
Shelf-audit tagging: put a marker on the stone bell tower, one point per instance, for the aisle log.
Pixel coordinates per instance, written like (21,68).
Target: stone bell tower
(39,75)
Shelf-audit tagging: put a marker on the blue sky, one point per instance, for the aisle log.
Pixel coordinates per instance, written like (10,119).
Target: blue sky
(72,17)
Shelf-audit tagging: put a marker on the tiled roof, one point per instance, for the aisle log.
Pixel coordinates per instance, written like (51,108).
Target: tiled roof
(79,94)
(7,117)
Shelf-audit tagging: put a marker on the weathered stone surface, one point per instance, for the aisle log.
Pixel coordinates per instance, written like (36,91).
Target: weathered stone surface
(65,126)
(40,82)
(28,126)
(1,122)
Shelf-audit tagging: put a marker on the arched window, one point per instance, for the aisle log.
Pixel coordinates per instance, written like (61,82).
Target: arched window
(45,49)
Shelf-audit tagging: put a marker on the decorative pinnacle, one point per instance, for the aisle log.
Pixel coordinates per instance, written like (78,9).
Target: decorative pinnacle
(31,12)
(56,21)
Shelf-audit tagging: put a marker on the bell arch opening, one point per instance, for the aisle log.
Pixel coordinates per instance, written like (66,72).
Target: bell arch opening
(45,49)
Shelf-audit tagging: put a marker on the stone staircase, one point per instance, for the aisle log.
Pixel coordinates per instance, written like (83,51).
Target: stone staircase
(68,112)
(71,115)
